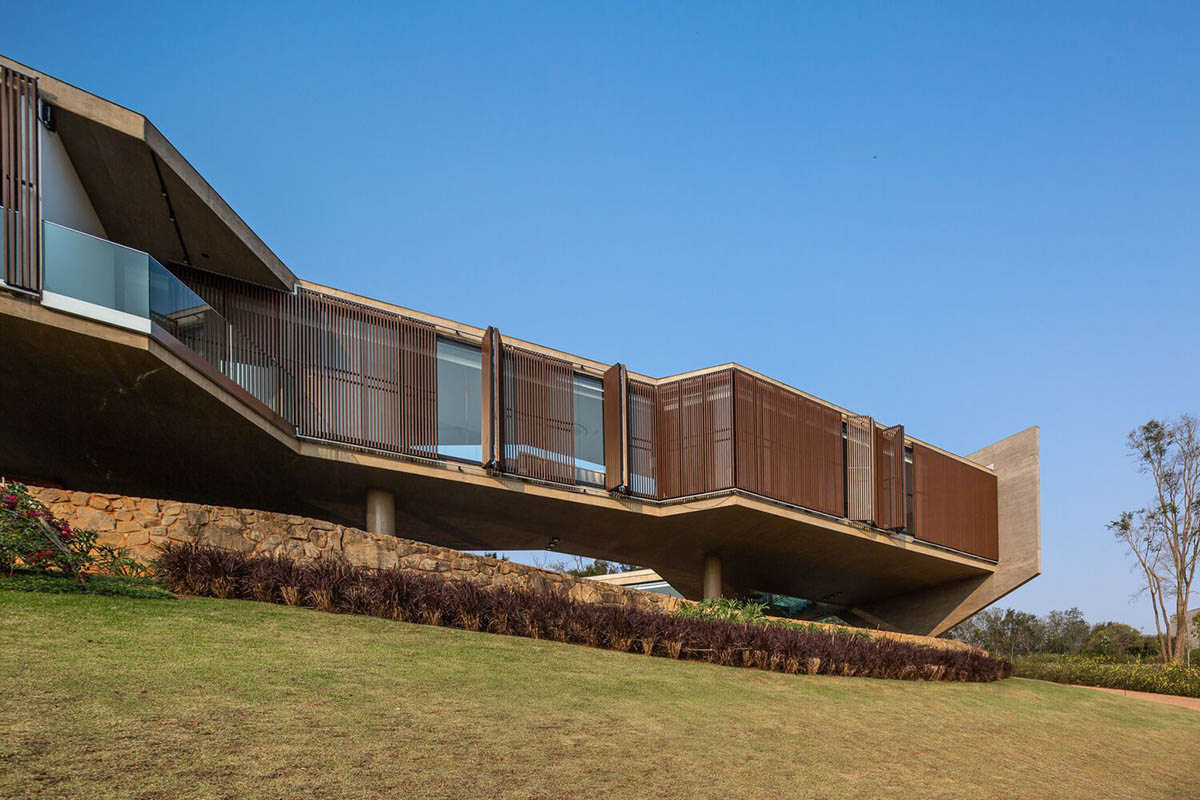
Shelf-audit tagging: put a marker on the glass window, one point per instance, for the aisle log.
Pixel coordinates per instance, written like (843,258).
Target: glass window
(459,401)
(589,430)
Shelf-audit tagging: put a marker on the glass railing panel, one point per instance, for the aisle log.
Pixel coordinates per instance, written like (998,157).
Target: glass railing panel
(96,270)
(107,274)
(184,315)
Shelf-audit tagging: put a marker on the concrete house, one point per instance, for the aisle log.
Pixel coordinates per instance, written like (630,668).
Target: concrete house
(154,345)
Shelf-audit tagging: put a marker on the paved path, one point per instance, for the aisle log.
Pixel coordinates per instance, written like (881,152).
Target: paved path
(1169,699)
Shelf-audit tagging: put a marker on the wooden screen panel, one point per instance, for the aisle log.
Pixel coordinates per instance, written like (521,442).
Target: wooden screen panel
(616,428)
(889,478)
(789,448)
(20,181)
(539,416)
(363,376)
(643,439)
(257,312)
(767,438)
(954,504)
(418,388)
(669,449)
(695,435)
(860,468)
(820,462)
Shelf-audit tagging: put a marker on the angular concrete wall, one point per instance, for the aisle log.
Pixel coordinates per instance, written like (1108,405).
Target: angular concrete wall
(934,611)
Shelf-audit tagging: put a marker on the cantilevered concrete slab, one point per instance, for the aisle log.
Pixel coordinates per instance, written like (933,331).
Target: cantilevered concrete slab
(118,411)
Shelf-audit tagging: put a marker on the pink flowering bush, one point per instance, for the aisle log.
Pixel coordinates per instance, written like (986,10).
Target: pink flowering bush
(33,538)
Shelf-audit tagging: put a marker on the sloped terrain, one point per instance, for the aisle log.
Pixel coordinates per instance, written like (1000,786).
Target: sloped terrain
(109,697)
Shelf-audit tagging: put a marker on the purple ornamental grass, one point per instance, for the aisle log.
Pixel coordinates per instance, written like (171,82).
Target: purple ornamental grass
(414,597)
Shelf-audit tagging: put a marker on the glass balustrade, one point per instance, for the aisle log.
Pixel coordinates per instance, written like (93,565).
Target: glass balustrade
(104,273)
(96,270)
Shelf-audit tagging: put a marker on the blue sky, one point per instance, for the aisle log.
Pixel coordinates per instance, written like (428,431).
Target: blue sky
(964,219)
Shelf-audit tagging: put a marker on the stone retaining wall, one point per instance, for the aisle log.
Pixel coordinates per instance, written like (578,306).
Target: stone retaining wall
(142,524)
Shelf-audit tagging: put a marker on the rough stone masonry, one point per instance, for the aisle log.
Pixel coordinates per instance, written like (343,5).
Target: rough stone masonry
(141,525)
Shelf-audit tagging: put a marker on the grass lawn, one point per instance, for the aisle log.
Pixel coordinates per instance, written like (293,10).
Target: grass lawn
(112,697)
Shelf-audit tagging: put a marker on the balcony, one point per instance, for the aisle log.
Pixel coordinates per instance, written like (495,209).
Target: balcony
(102,280)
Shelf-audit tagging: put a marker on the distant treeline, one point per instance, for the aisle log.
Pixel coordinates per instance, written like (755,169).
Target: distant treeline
(1012,633)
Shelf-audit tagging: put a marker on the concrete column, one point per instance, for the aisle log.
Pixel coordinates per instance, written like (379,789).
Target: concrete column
(712,576)
(381,512)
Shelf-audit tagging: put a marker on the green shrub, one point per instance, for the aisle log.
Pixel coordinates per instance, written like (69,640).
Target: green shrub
(117,561)
(1141,676)
(730,610)
(116,585)
(726,609)
(32,537)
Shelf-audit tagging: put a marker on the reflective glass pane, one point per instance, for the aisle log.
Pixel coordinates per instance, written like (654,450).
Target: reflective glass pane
(589,430)
(96,271)
(459,400)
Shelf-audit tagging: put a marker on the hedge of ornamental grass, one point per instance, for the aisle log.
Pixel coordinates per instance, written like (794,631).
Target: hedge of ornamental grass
(413,597)
(1141,676)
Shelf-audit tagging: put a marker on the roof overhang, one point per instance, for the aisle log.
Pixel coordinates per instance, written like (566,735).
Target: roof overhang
(145,192)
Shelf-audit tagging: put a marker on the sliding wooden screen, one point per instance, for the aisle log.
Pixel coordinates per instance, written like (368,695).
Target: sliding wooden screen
(418,388)
(788,447)
(643,439)
(955,504)
(695,435)
(860,468)
(359,374)
(366,377)
(539,416)
(20,181)
(889,478)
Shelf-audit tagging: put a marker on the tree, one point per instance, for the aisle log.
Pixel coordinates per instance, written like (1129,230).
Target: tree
(1164,536)
(1066,631)
(1114,639)
(580,567)
(1003,631)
